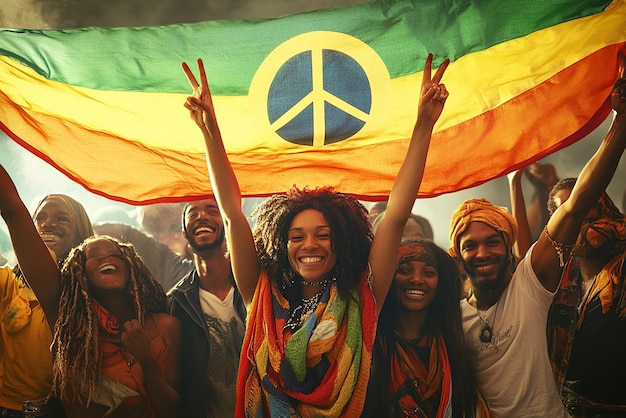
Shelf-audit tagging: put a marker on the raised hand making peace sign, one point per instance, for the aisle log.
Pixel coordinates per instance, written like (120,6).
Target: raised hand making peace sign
(434,93)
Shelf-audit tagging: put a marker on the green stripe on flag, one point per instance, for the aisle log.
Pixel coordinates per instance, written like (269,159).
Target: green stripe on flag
(402,32)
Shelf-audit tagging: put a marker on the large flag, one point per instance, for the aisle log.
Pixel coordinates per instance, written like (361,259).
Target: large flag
(327,97)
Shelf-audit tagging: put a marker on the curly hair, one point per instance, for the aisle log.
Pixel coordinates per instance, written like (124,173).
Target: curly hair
(443,318)
(565,184)
(350,233)
(76,340)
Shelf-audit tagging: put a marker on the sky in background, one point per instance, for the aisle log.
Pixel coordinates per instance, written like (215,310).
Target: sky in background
(35,178)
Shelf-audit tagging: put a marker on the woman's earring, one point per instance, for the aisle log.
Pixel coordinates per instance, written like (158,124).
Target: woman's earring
(289,278)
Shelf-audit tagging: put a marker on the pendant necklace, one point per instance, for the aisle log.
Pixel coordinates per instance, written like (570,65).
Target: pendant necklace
(485,334)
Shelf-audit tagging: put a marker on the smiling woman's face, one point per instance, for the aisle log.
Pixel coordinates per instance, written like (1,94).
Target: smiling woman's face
(309,246)
(415,285)
(105,266)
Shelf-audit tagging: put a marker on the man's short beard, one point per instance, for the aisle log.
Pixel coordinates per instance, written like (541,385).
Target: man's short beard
(488,286)
(208,247)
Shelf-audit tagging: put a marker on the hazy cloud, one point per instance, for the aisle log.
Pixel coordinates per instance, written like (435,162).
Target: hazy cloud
(83,13)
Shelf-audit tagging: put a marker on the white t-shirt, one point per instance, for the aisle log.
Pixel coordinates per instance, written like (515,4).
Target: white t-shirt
(226,332)
(513,371)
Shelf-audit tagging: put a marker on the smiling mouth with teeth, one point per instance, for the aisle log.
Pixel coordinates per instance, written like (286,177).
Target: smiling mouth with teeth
(310,259)
(414,292)
(482,267)
(107,268)
(50,238)
(204,230)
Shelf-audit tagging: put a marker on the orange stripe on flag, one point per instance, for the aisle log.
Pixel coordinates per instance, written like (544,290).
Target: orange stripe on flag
(460,157)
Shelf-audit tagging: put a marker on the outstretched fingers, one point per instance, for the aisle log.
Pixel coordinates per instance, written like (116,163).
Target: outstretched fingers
(441,70)
(426,80)
(203,79)
(190,77)
(200,103)
(201,90)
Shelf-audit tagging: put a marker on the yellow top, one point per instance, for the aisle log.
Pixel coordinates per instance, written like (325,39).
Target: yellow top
(25,338)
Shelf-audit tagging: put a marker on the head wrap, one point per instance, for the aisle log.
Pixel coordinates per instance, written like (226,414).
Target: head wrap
(416,251)
(481,210)
(76,210)
(604,227)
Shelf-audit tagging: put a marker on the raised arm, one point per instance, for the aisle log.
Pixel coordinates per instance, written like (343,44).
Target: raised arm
(564,225)
(386,242)
(542,177)
(36,262)
(243,255)
(518,209)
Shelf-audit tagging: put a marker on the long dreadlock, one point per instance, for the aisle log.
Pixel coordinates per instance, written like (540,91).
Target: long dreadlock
(350,232)
(76,341)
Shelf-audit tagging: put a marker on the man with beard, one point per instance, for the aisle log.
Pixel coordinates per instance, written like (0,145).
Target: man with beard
(505,315)
(212,316)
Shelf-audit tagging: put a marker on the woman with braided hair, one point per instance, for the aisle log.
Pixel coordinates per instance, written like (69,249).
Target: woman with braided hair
(312,273)
(115,351)
(115,347)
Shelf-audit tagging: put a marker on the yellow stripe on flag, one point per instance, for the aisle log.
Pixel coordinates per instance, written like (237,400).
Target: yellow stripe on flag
(372,168)
(139,116)
(506,109)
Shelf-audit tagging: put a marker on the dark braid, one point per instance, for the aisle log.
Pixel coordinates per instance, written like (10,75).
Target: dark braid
(76,343)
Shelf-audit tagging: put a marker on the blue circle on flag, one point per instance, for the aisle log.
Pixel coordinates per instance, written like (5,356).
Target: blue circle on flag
(340,86)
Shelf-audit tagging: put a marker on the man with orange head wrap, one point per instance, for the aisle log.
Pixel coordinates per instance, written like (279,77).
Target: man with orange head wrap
(505,315)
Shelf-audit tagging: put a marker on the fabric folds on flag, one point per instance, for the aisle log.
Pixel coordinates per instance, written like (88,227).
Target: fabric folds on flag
(327,97)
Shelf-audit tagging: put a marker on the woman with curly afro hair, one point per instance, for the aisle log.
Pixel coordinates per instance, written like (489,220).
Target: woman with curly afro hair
(312,274)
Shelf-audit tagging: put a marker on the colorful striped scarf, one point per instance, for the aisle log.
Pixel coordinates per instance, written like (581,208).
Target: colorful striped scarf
(319,370)
(421,390)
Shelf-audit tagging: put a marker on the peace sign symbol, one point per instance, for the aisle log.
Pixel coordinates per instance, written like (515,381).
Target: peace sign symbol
(319,88)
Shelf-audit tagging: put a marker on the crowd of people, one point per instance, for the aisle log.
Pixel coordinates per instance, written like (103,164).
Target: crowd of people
(321,308)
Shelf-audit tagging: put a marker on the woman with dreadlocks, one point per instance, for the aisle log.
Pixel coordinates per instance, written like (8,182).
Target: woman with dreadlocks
(115,347)
(312,273)
(25,336)
(115,350)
